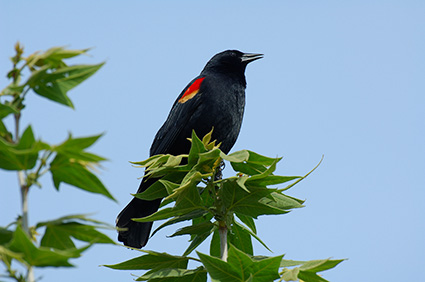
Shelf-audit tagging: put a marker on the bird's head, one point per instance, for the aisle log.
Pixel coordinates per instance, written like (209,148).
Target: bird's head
(231,62)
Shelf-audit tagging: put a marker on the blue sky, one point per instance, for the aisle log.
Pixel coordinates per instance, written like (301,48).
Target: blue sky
(343,79)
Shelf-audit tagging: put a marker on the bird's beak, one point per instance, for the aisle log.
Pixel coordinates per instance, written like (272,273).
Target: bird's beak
(250,57)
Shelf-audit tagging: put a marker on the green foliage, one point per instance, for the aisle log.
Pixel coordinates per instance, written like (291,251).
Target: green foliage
(153,261)
(193,193)
(241,267)
(72,164)
(39,256)
(21,155)
(49,76)
(307,270)
(60,232)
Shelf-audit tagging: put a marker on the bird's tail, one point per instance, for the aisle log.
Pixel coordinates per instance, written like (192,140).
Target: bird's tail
(136,234)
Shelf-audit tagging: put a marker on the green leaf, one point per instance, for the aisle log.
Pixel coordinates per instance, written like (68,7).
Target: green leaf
(58,236)
(256,179)
(163,214)
(159,215)
(320,265)
(5,235)
(206,199)
(22,156)
(169,186)
(54,84)
(256,158)
(282,202)
(210,145)
(73,148)
(161,188)
(196,148)
(207,160)
(273,180)
(220,270)
(310,277)
(7,255)
(188,216)
(289,263)
(163,165)
(197,240)
(12,89)
(60,232)
(153,161)
(242,262)
(215,244)
(240,238)
(76,173)
(236,157)
(152,260)
(250,278)
(5,135)
(53,57)
(155,191)
(248,221)
(248,168)
(307,269)
(261,270)
(7,109)
(59,53)
(249,163)
(240,180)
(250,204)
(199,233)
(73,217)
(291,274)
(41,256)
(194,229)
(176,274)
(240,267)
(187,195)
(203,219)
(174,160)
(253,235)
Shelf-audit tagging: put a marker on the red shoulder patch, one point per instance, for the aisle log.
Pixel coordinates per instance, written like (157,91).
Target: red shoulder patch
(191,91)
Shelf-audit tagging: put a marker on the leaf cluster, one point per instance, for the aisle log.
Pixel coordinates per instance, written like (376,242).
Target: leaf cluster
(52,78)
(57,244)
(48,75)
(193,193)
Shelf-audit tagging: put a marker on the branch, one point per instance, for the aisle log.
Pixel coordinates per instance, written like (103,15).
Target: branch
(222,230)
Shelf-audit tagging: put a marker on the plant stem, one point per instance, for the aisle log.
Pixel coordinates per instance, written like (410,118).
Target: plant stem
(21,179)
(222,227)
(22,184)
(24,199)
(222,230)
(25,225)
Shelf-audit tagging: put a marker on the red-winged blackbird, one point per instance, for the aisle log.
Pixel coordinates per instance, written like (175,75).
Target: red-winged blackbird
(214,99)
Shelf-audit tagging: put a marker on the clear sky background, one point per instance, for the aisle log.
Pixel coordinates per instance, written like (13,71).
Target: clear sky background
(339,78)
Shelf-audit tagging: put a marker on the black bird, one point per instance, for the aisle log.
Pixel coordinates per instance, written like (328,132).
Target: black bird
(214,99)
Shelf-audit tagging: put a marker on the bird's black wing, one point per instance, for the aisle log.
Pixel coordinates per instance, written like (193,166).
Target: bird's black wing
(187,103)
